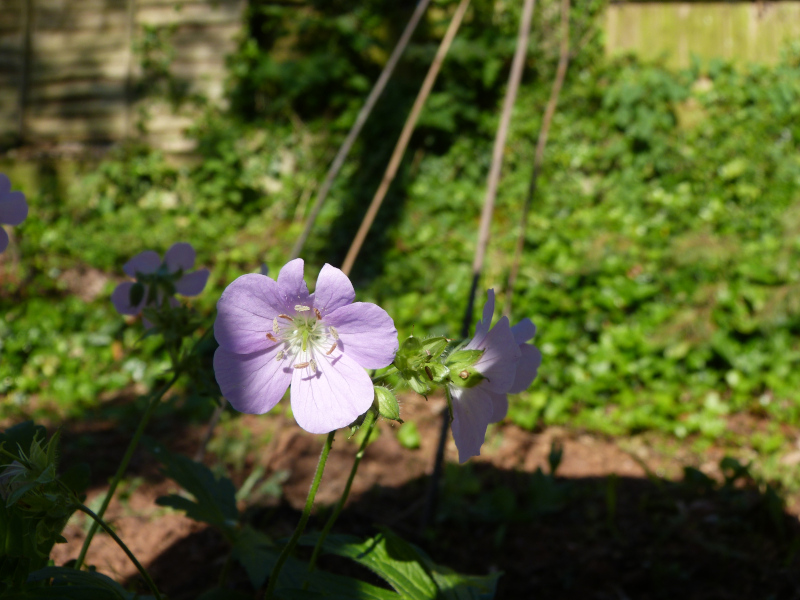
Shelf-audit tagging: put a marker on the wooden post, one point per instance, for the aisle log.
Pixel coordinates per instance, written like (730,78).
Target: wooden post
(25,64)
(129,99)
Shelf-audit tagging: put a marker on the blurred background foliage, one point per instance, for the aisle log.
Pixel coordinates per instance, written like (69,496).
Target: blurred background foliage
(661,256)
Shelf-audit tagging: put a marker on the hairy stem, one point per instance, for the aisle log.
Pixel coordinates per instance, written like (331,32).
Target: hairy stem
(155,398)
(312,492)
(369,423)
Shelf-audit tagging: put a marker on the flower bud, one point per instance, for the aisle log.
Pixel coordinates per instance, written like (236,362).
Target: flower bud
(387,404)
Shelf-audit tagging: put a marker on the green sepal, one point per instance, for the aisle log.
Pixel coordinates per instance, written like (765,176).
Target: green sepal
(463,359)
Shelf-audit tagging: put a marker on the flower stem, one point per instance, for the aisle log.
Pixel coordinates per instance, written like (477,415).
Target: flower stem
(369,423)
(276,570)
(155,398)
(100,523)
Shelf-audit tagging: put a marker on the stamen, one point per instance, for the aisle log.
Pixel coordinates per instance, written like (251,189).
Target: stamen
(280,355)
(428,373)
(272,338)
(301,308)
(331,350)
(319,315)
(301,365)
(313,365)
(333,331)
(287,317)
(275,327)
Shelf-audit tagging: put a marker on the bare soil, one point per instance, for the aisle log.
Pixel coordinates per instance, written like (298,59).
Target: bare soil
(614,523)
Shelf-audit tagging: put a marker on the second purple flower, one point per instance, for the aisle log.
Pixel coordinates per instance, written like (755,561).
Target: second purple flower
(274,333)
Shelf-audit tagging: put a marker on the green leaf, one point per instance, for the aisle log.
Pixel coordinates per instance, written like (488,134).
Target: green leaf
(215,497)
(77,585)
(408,569)
(256,553)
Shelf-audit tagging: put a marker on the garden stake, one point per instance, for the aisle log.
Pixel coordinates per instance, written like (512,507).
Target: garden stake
(561,72)
(514,78)
(362,117)
(405,136)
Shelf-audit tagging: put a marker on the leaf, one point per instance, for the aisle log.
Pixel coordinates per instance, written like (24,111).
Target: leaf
(408,436)
(407,568)
(77,585)
(215,497)
(257,554)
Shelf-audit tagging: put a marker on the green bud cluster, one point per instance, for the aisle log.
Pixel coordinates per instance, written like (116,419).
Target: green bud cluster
(425,366)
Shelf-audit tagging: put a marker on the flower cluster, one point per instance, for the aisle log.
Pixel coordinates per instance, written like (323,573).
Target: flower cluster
(275,333)
(13,208)
(157,281)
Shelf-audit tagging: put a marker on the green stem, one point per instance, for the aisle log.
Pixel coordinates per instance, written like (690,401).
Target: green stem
(155,398)
(323,458)
(99,522)
(369,423)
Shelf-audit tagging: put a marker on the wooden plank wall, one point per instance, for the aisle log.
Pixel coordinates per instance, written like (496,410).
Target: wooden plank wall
(740,32)
(68,73)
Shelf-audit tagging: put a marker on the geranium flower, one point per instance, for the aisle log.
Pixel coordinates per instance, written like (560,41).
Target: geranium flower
(507,365)
(274,333)
(168,277)
(13,208)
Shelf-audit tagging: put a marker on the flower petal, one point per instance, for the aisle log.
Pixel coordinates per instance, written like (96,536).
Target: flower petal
(252,383)
(472,412)
(180,256)
(121,299)
(245,312)
(3,238)
(527,368)
(5,184)
(13,208)
(499,406)
(499,361)
(482,327)
(145,262)
(332,397)
(366,333)
(333,290)
(292,287)
(523,331)
(193,283)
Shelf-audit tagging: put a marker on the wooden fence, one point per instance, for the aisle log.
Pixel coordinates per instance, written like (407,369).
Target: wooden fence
(741,32)
(68,71)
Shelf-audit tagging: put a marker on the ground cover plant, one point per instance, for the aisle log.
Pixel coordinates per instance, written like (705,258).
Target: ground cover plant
(659,265)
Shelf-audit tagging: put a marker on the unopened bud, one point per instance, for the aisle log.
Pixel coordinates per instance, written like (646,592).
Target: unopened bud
(387,404)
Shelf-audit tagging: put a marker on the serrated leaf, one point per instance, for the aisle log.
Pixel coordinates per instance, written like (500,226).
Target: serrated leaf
(257,554)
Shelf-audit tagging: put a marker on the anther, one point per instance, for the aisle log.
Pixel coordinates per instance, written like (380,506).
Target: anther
(280,355)
(301,308)
(333,331)
(287,317)
(319,315)
(275,327)
(464,374)
(301,365)
(331,350)
(313,365)
(428,373)
(271,338)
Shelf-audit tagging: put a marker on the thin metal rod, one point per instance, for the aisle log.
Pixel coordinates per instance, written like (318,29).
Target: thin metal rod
(362,117)
(405,136)
(561,73)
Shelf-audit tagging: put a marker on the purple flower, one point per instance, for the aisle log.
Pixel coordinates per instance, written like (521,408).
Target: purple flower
(13,209)
(274,333)
(147,268)
(508,365)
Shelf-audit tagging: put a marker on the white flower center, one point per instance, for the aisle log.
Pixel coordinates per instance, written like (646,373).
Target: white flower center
(303,335)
